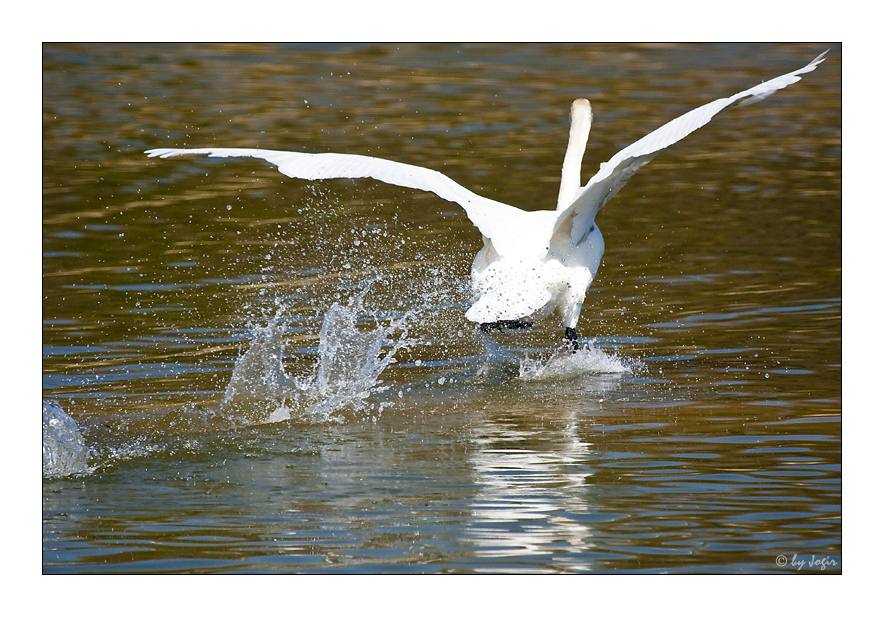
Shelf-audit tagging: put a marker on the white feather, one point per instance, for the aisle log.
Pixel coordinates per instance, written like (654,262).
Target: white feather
(531,263)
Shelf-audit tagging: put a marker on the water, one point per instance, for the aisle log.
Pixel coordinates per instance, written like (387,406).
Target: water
(65,453)
(273,375)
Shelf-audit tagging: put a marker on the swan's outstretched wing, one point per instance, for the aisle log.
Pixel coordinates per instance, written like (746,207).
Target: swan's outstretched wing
(485,214)
(577,218)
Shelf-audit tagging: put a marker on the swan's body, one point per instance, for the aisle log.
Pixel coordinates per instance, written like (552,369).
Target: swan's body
(532,263)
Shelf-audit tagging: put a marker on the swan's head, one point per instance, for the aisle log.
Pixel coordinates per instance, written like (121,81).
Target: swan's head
(581,115)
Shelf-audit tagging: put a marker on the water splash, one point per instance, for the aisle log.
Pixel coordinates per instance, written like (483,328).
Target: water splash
(564,362)
(260,390)
(500,364)
(345,376)
(64,451)
(350,361)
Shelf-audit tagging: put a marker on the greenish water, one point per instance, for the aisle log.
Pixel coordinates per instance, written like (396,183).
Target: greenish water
(227,430)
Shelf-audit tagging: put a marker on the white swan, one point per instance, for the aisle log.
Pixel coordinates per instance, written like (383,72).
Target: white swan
(531,263)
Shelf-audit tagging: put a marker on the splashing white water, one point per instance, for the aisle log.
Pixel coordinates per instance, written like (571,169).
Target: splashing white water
(346,374)
(567,362)
(500,363)
(64,451)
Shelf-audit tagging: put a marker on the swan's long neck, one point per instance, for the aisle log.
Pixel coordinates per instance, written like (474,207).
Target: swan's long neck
(581,117)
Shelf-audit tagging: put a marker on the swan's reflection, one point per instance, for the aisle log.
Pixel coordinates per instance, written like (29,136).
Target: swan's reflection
(534,475)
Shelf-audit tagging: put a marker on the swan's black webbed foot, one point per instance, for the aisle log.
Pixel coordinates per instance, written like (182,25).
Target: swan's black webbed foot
(571,336)
(501,325)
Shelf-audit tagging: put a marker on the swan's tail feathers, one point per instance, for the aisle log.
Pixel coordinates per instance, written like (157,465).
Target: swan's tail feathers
(614,173)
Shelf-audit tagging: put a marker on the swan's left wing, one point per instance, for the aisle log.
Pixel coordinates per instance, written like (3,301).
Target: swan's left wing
(483,212)
(577,218)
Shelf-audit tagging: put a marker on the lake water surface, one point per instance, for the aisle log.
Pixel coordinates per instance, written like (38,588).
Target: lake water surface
(273,375)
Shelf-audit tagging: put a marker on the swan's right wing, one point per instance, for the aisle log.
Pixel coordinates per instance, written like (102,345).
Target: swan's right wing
(578,217)
(485,214)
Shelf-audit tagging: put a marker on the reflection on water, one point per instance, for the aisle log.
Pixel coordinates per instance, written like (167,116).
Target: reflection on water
(274,375)
(531,504)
